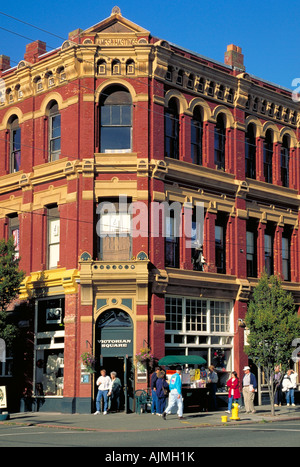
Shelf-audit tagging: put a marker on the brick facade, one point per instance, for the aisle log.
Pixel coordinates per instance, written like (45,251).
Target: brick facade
(154,73)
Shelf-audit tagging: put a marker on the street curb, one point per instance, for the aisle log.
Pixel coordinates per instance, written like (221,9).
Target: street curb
(182,427)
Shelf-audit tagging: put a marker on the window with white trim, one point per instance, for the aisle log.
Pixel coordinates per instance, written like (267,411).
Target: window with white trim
(202,327)
(53,236)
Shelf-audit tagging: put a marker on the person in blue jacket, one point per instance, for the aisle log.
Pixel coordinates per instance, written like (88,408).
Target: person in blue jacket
(162,389)
(153,390)
(175,395)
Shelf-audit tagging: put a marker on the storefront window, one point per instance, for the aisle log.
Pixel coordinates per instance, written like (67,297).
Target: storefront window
(49,347)
(201,327)
(6,368)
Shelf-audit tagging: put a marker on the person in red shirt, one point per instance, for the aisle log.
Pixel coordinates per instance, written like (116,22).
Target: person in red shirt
(234,394)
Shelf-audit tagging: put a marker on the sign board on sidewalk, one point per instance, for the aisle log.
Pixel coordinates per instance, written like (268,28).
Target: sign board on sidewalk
(3,402)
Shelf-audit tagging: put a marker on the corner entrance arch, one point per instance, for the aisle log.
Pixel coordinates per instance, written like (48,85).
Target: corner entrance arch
(114,350)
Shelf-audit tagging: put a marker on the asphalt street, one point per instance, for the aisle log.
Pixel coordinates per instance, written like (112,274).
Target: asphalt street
(144,432)
(269,434)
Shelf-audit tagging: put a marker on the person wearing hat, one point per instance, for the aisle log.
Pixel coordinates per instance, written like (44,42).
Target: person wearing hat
(249,388)
(212,380)
(175,395)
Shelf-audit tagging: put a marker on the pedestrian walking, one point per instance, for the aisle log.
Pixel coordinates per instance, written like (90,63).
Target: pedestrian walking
(153,390)
(103,383)
(162,390)
(277,387)
(233,385)
(249,389)
(212,380)
(115,391)
(175,395)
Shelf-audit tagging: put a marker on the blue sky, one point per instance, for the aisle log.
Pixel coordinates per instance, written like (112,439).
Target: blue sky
(268,32)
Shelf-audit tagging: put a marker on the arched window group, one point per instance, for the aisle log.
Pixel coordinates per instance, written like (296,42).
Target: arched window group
(116,67)
(265,167)
(268,150)
(52,137)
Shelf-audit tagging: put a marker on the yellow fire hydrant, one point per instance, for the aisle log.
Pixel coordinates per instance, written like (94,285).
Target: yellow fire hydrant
(235,412)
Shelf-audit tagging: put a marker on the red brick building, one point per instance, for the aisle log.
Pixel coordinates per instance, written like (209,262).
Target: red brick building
(116,115)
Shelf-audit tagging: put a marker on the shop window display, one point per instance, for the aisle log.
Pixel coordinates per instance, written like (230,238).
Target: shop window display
(203,328)
(49,348)
(49,373)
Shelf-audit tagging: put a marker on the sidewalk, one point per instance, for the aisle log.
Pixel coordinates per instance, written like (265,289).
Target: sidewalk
(121,422)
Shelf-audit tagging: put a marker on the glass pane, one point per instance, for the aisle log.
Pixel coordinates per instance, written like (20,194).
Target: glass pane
(105,115)
(219,234)
(55,145)
(126,115)
(53,256)
(17,161)
(53,231)
(116,115)
(115,138)
(250,243)
(285,248)
(268,244)
(169,125)
(56,126)
(17,140)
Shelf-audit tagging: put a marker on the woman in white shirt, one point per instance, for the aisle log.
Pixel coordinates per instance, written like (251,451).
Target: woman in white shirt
(289,384)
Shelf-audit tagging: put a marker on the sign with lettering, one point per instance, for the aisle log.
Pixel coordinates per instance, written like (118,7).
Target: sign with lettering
(114,334)
(116,342)
(117,42)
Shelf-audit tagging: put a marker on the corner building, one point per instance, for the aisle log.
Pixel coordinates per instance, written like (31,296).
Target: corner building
(116,115)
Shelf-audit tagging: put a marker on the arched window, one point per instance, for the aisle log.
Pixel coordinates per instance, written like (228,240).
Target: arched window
(130,67)
(101,66)
(15,144)
(219,143)
(54,129)
(172,130)
(180,77)
(116,67)
(169,73)
(190,83)
(196,136)
(115,119)
(285,159)
(201,85)
(250,152)
(268,156)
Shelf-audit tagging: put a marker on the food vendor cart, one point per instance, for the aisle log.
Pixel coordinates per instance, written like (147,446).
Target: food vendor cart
(194,380)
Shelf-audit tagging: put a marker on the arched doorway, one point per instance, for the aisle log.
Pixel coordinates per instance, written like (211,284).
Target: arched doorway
(114,350)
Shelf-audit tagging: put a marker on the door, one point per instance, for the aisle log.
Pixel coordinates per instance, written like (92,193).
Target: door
(114,351)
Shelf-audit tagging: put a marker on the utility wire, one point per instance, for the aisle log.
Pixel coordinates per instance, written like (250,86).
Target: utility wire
(92,90)
(92,63)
